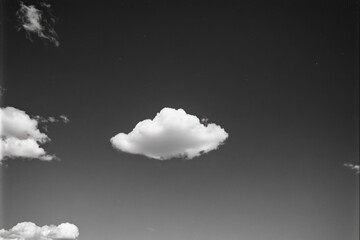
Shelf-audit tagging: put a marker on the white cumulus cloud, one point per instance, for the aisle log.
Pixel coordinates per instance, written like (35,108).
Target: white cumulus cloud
(20,135)
(29,231)
(172,133)
(25,148)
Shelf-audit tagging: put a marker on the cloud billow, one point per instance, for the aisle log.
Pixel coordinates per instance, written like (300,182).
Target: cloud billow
(29,231)
(20,135)
(172,133)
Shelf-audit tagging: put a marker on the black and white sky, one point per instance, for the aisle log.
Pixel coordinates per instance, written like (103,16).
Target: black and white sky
(173,120)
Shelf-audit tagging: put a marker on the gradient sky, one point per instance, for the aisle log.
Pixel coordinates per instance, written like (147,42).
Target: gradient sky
(281,78)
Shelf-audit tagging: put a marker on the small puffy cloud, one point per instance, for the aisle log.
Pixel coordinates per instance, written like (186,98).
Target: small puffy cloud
(20,135)
(51,119)
(64,119)
(172,133)
(204,121)
(352,166)
(37,20)
(29,231)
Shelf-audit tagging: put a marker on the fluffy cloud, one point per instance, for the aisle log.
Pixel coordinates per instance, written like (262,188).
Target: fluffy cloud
(29,231)
(37,20)
(24,148)
(354,167)
(172,133)
(20,136)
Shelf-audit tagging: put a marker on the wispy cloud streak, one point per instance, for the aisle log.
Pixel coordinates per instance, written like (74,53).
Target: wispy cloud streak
(352,166)
(61,118)
(37,20)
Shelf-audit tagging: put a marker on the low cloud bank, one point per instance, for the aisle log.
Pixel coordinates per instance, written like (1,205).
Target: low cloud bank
(29,231)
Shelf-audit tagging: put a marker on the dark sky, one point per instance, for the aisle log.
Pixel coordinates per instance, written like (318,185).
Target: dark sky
(280,77)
